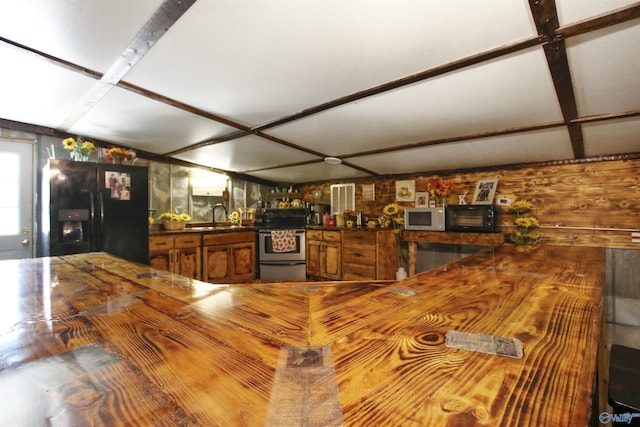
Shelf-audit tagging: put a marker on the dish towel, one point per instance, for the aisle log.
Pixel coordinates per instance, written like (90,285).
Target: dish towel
(283,240)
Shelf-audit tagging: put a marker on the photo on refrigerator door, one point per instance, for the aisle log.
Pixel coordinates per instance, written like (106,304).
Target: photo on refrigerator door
(119,183)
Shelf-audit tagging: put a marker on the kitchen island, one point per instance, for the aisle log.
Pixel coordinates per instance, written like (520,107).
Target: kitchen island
(91,339)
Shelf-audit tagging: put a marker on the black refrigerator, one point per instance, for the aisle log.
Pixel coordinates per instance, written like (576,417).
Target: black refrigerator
(93,207)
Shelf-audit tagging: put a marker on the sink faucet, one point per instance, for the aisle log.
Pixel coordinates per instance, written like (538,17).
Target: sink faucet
(216,207)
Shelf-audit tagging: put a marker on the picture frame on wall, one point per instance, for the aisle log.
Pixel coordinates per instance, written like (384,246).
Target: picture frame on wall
(485,192)
(368,192)
(405,191)
(422,199)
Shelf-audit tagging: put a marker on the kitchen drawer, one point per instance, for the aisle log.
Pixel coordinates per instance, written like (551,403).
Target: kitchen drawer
(361,237)
(314,234)
(331,236)
(226,238)
(359,254)
(358,272)
(158,243)
(190,240)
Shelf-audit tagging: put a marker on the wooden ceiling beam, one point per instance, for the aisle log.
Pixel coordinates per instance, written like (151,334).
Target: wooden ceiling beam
(550,33)
(545,16)
(164,17)
(614,17)
(385,87)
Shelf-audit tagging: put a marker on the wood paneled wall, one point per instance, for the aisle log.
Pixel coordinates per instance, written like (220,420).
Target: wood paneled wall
(589,203)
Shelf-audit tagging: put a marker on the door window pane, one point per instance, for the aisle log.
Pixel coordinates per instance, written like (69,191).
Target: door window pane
(10,200)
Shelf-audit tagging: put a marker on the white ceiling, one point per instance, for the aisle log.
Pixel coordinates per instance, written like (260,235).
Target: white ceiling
(269,88)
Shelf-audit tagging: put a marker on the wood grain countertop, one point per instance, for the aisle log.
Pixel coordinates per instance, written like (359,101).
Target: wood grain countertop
(91,339)
(158,231)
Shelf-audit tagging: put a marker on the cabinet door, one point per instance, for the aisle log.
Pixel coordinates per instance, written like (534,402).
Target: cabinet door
(387,249)
(187,262)
(243,262)
(216,263)
(161,253)
(161,260)
(314,265)
(332,267)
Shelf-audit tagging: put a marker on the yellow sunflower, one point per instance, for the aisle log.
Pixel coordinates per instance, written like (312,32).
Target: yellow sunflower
(69,143)
(87,147)
(521,206)
(391,209)
(527,222)
(234,217)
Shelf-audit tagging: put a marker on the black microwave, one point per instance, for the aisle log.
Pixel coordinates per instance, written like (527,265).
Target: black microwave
(478,218)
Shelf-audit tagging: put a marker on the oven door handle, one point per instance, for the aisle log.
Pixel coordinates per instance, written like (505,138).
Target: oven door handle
(265,231)
(282,262)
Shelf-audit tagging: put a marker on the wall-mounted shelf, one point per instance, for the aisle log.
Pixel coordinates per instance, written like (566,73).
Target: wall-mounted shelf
(286,195)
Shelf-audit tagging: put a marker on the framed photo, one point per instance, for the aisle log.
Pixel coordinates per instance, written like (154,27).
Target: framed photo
(422,199)
(405,191)
(368,192)
(485,192)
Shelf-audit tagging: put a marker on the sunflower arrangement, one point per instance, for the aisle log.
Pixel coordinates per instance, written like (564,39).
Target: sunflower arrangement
(170,216)
(78,149)
(349,217)
(393,216)
(235,218)
(525,222)
(174,221)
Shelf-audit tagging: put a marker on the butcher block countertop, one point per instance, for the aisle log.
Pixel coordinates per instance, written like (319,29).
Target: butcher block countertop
(91,339)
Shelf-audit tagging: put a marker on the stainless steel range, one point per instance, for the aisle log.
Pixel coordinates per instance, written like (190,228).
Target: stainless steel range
(281,242)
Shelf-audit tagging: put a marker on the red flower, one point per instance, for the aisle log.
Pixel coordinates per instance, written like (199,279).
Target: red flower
(441,187)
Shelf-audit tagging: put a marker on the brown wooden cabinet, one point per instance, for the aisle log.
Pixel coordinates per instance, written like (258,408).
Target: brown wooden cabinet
(161,252)
(324,254)
(179,254)
(369,255)
(352,254)
(229,257)
(187,255)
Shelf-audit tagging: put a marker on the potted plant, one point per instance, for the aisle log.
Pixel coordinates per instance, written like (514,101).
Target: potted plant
(174,221)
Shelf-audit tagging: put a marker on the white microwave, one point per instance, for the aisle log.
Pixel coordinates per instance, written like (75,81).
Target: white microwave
(426,219)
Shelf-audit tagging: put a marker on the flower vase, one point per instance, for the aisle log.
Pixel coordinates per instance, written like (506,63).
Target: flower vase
(444,201)
(79,157)
(117,160)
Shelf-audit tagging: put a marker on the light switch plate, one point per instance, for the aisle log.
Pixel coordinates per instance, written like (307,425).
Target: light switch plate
(504,201)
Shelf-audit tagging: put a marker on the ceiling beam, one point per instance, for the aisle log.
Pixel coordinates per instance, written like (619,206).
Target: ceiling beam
(545,17)
(50,58)
(163,18)
(55,133)
(453,139)
(614,17)
(546,20)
